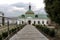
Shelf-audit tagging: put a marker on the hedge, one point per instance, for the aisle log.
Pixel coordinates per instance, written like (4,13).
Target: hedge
(0,37)
(5,34)
(50,32)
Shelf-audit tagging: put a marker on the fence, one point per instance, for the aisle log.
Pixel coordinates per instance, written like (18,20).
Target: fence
(6,24)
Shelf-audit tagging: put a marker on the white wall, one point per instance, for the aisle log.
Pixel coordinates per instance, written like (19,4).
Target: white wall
(32,21)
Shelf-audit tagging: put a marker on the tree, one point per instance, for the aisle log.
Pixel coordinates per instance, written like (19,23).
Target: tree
(52,8)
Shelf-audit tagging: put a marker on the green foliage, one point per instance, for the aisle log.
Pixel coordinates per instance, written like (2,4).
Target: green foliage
(5,34)
(0,37)
(10,31)
(50,32)
(13,29)
(52,8)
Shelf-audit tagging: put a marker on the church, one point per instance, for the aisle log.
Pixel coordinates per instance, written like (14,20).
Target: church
(33,18)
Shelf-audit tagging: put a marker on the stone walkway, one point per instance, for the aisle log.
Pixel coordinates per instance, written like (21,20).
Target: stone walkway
(29,32)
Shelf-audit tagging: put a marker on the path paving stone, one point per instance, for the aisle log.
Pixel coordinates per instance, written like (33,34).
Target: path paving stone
(29,32)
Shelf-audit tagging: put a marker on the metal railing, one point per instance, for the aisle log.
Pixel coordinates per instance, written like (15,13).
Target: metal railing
(5,22)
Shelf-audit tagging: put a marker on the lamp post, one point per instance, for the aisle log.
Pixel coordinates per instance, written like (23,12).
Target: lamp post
(3,19)
(16,25)
(8,28)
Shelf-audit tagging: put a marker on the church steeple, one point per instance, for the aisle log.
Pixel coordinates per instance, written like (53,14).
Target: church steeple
(29,11)
(29,7)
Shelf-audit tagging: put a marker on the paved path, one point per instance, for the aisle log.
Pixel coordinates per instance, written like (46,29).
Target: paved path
(29,32)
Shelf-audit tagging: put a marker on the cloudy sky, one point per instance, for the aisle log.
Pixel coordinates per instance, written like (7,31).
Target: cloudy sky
(13,8)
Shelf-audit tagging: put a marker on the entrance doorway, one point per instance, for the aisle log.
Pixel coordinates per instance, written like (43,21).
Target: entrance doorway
(29,21)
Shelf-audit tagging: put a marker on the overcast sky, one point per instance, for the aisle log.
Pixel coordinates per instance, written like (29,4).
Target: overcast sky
(17,7)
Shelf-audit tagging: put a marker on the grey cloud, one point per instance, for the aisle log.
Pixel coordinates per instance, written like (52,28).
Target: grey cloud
(20,5)
(5,8)
(23,5)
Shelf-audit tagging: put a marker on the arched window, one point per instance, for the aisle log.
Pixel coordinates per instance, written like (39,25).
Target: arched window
(42,22)
(38,22)
(22,22)
(29,21)
(34,22)
(23,16)
(47,22)
(36,16)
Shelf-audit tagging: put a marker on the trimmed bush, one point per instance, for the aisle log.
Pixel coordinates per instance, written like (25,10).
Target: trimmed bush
(5,34)
(0,37)
(13,30)
(10,31)
(46,30)
(50,32)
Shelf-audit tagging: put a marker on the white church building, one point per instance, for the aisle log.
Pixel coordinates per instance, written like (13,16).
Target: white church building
(31,17)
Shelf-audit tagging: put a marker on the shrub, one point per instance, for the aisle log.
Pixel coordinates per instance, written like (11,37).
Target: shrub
(5,34)
(13,30)
(33,24)
(46,30)
(0,37)
(10,31)
(52,33)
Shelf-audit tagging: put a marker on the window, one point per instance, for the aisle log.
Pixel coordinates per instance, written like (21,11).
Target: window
(29,21)
(42,22)
(34,22)
(23,16)
(38,22)
(47,22)
(36,16)
(22,22)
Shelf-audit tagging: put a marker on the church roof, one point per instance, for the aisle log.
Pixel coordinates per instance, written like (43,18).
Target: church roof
(30,14)
(40,16)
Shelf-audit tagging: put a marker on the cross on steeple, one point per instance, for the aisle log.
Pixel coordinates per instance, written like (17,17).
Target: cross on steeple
(29,6)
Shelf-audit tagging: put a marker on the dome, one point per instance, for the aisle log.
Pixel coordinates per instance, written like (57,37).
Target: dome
(29,12)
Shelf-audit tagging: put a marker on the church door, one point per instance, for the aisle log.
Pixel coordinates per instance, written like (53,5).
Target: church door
(29,21)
